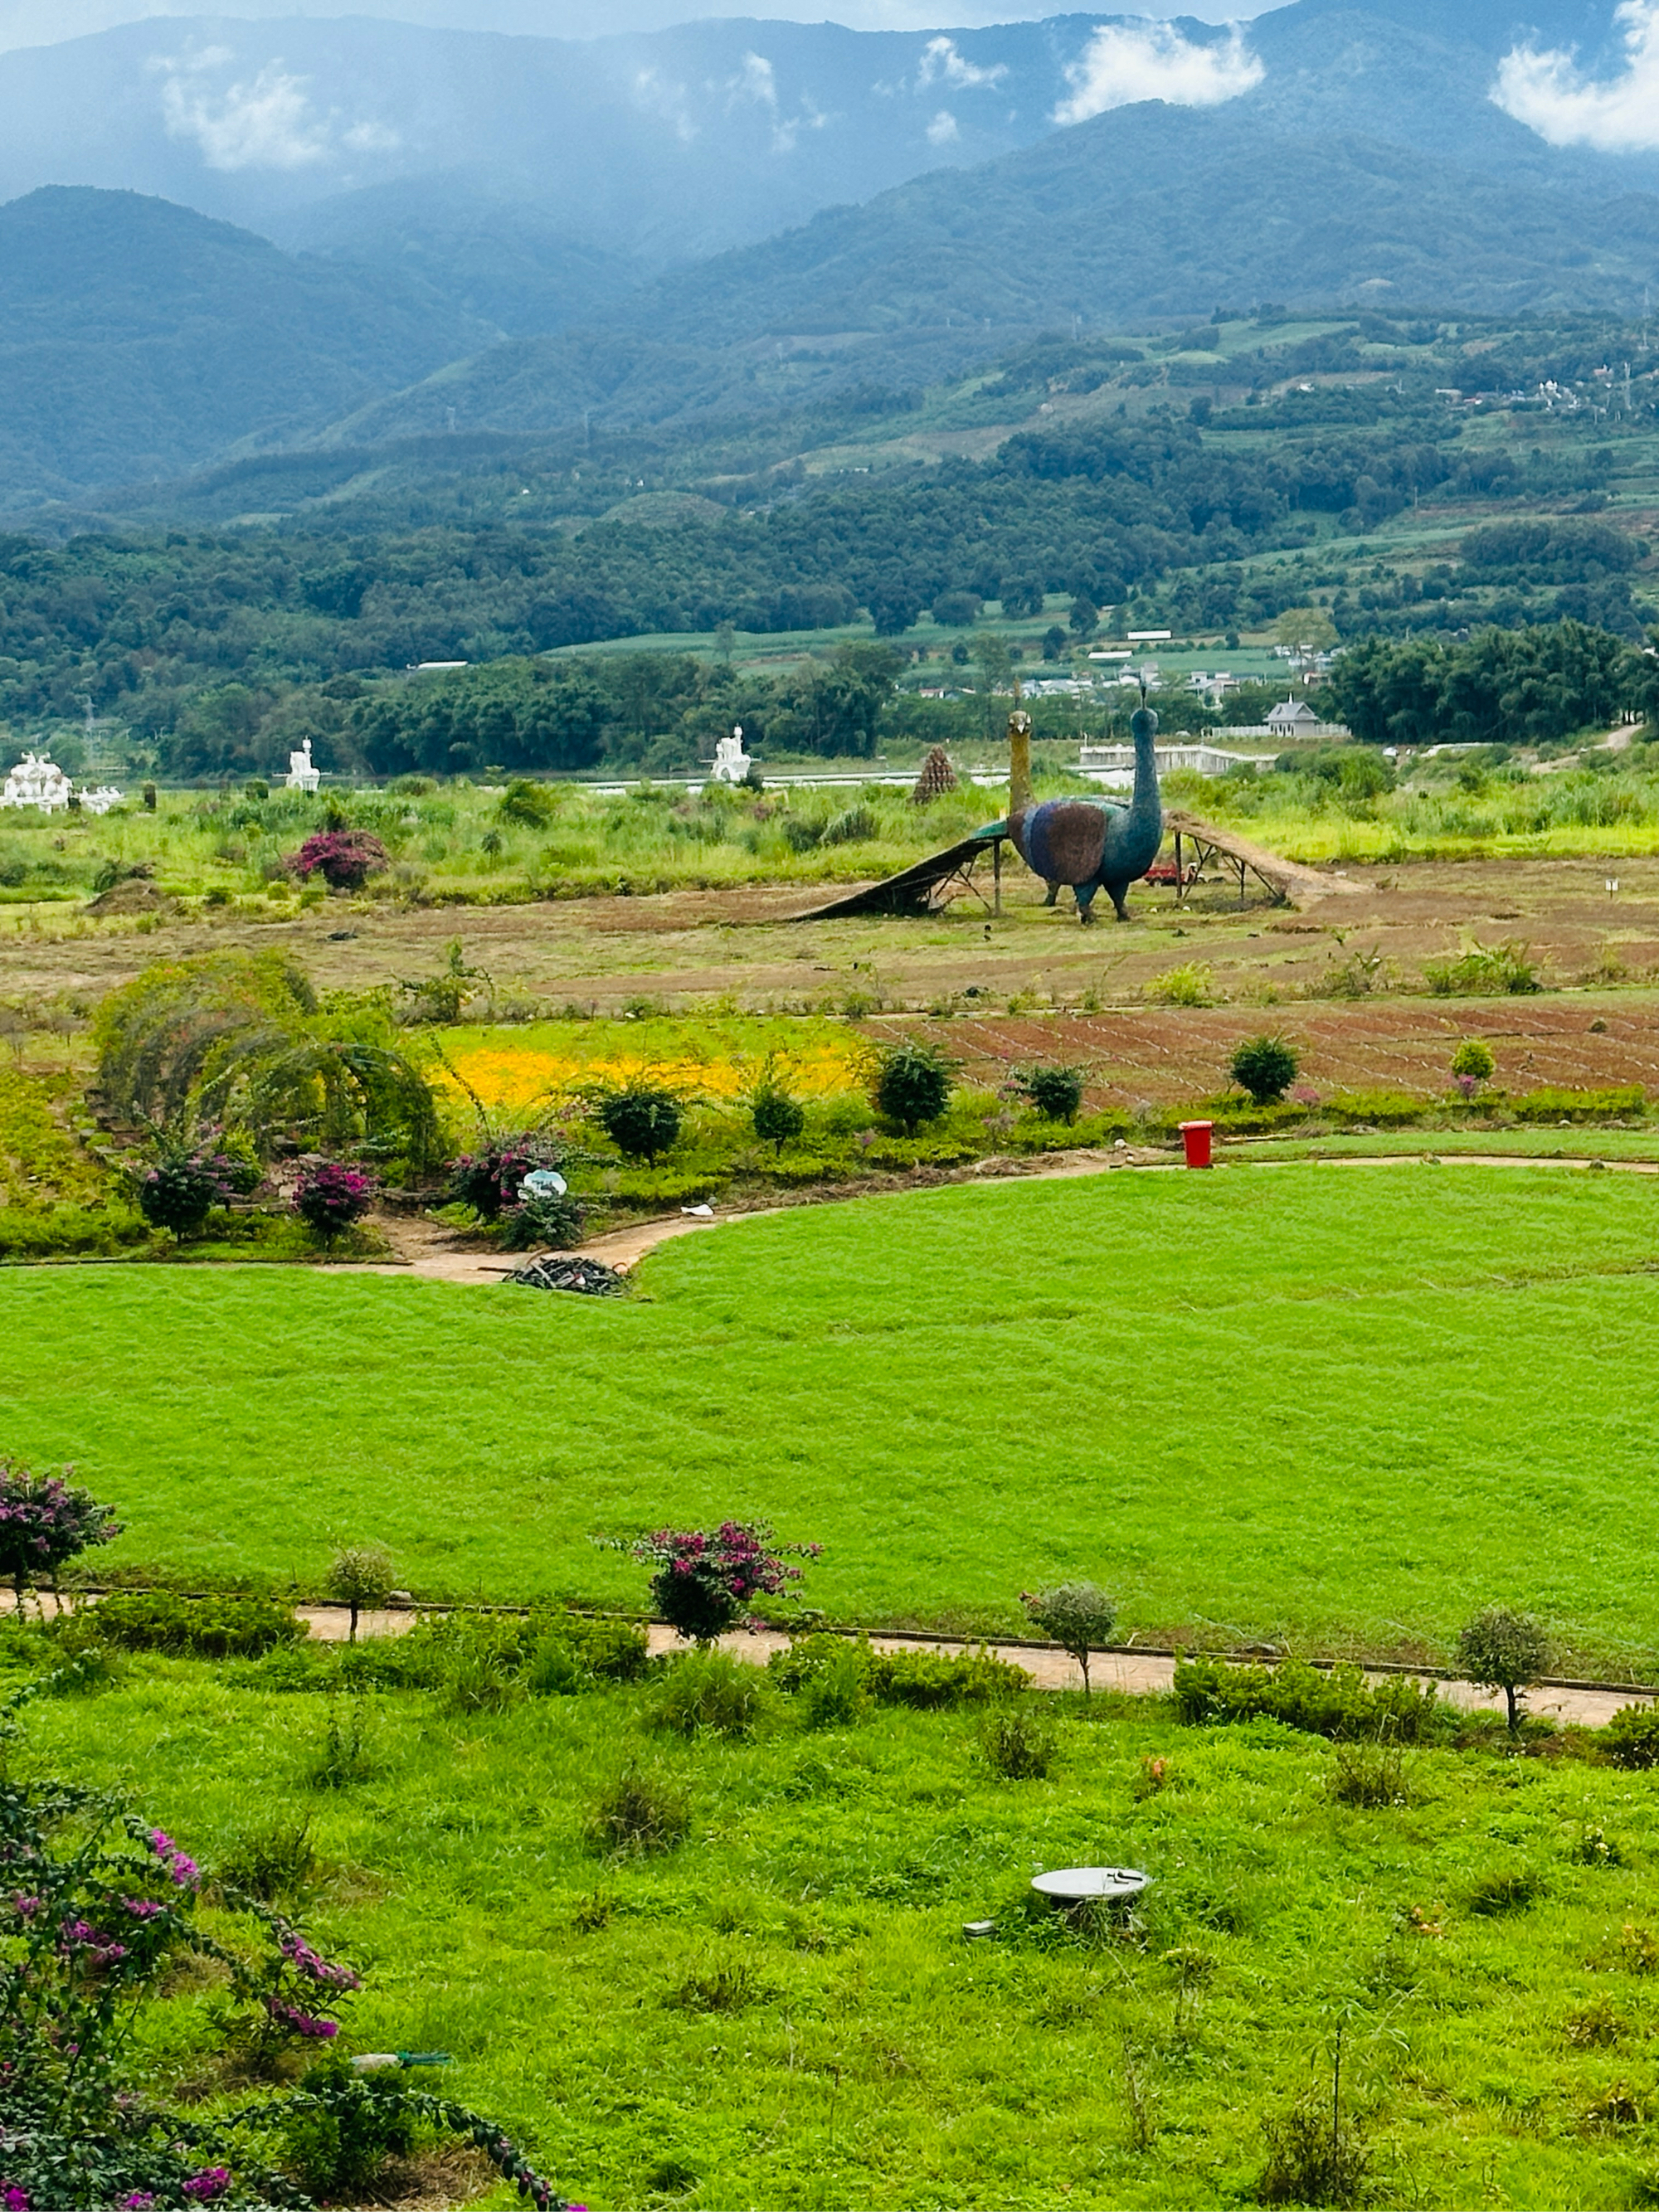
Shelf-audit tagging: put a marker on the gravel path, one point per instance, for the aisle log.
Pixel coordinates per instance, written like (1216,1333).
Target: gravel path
(1139,1674)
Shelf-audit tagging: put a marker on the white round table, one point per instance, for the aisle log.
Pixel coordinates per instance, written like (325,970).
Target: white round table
(1076,1885)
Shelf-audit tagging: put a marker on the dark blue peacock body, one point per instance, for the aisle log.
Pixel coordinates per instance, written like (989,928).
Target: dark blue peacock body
(1091,846)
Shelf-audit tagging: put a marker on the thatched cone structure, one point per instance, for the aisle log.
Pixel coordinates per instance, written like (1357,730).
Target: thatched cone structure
(937,778)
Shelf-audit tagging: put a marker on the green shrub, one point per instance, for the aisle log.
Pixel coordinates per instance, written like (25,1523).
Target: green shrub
(1508,1889)
(1056,1092)
(1375,1109)
(1018,1742)
(1192,984)
(710,1690)
(359,1577)
(1334,1702)
(1618,1103)
(926,1681)
(1630,1738)
(838,1692)
(1486,971)
(639,1813)
(337,2152)
(1473,1059)
(1264,1068)
(913,1084)
(642,1120)
(270,1863)
(201,1627)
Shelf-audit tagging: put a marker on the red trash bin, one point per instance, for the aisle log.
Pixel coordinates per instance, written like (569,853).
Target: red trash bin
(1195,1135)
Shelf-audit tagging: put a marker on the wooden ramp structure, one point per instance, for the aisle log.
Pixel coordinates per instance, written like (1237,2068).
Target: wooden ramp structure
(925,886)
(1289,882)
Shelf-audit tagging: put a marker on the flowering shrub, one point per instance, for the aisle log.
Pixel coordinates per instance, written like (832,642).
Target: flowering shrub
(706,1582)
(489,1181)
(186,1183)
(344,859)
(45,1520)
(97,1909)
(331,1197)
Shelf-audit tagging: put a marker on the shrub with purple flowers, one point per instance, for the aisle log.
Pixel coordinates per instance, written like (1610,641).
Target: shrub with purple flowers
(707,1581)
(185,1182)
(97,1908)
(344,859)
(45,1520)
(331,1197)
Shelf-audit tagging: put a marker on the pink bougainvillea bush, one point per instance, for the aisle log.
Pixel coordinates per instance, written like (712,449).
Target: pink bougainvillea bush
(344,859)
(707,1581)
(332,1196)
(98,1912)
(45,1520)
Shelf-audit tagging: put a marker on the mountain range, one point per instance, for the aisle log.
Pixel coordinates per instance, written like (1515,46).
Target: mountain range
(228,236)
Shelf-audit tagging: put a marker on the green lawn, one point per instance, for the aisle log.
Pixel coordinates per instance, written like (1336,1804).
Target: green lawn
(784,2013)
(1342,1406)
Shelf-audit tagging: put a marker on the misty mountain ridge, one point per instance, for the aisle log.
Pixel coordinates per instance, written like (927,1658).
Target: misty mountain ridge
(477,233)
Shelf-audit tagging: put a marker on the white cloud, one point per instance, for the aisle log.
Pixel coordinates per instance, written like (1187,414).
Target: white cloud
(757,81)
(942,130)
(264,122)
(941,64)
(1126,63)
(658,96)
(1549,93)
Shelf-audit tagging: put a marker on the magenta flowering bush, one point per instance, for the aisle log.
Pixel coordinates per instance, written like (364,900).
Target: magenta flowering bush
(705,1581)
(332,1196)
(45,1520)
(96,1907)
(344,859)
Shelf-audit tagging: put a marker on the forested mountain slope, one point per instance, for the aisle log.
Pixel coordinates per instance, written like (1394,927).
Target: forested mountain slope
(138,338)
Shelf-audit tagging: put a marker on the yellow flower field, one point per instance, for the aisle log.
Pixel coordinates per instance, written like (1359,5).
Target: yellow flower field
(530,1070)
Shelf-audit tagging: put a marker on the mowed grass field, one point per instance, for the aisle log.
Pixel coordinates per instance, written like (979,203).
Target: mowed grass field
(1339,1405)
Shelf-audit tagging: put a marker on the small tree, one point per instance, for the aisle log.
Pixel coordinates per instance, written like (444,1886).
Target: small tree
(705,1581)
(1264,1067)
(913,1084)
(1077,1616)
(642,1120)
(1473,1061)
(359,1576)
(1056,1092)
(1504,1650)
(45,1520)
(332,1196)
(777,1119)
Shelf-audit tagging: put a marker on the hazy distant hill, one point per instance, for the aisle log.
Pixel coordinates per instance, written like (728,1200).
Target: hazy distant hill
(539,174)
(138,338)
(1148,211)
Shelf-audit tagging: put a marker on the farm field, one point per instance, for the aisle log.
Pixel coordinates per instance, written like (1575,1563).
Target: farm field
(783,2011)
(1262,1406)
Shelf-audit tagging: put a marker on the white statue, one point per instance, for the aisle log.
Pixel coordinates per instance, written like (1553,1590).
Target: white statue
(731,764)
(302,774)
(37,781)
(101,800)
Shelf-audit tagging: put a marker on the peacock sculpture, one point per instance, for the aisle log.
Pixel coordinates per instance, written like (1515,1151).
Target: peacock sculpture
(1080,841)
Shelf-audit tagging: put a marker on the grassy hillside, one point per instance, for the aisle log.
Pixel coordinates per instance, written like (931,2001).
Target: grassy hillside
(1252,1414)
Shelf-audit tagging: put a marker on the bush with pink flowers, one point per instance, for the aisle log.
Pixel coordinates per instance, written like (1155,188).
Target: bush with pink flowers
(344,859)
(333,1196)
(707,1581)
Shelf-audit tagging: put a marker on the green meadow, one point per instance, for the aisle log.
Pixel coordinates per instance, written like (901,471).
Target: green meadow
(1334,1408)
(782,2012)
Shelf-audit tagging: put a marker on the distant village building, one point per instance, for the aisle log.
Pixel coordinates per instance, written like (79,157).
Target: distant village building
(1294,718)
(1110,761)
